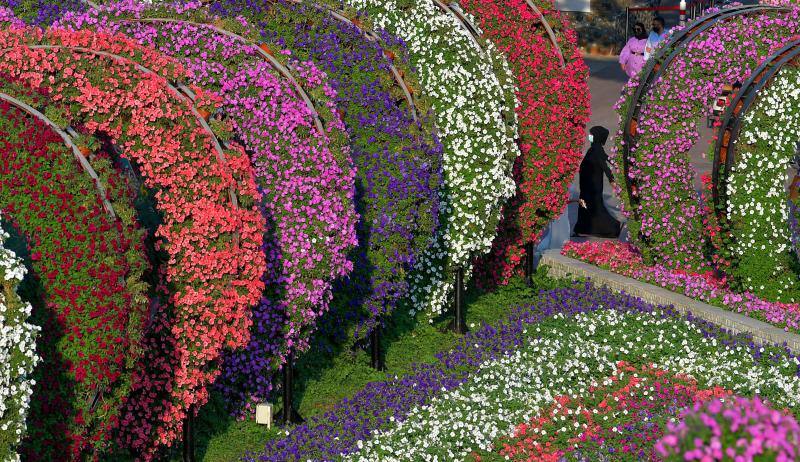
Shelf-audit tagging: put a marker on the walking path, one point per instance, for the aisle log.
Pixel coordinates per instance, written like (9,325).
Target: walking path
(561,266)
(606,80)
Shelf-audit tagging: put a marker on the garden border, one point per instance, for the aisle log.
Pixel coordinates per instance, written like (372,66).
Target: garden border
(562,266)
(656,66)
(731,124)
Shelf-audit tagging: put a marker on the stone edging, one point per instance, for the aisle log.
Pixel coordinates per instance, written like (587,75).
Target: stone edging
(561,266)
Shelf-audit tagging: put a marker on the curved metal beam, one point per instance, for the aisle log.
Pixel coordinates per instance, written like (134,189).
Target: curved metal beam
(183,97)
(655,68)
(371,36)
(466,24)
(76,152)
(730,128)
(84,163)
(550,32)
(285,73)
(454,10)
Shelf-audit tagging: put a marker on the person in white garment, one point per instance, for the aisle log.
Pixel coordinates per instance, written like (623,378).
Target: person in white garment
(657,34)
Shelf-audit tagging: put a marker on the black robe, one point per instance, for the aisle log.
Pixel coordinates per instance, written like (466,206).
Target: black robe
(594,220)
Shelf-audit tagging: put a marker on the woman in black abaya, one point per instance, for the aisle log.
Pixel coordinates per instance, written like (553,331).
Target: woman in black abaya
(594,219)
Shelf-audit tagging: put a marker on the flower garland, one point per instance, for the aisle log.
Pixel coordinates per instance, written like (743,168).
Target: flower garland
(305,177)
(669,231)
(17,353)
(553,112)
(214,266)
(473,97)
(731,429)
(565,338)
(622,258)
(88,294)
(757,212)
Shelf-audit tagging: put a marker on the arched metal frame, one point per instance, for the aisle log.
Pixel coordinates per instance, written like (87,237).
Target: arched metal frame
(731,125)
(280,68)
(186,97)
(76,152)
(550,32)
(655,68)
(455,10)
(85,165)
(466,24)
(371,36)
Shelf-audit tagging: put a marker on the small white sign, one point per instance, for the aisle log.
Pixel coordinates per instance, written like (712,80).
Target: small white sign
(580,6)
(264,414)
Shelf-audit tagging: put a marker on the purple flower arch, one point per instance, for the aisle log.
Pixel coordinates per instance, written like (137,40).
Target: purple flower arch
(398,158)
(669,228)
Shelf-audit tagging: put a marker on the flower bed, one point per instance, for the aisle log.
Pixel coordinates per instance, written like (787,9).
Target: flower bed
(87,291)
(563,356)
(738,429)
(553,112)
(496,377)
(620,418)
(305,177)
(17,353)
(761,255)
(623,258)
(214,266)
(473,97)
(625,417)
(670,224)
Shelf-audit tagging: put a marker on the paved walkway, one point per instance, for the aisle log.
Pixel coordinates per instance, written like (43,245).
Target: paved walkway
(561,266)
(606,80)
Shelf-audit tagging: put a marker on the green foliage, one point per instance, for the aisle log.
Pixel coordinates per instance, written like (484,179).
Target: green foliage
(324,377)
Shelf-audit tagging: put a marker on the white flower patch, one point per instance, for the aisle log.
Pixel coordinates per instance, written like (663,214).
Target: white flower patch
(563,357)
(757,199)
(473,96)
(17,353)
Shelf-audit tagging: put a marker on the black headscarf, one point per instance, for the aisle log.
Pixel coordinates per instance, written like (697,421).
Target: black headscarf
(599,135)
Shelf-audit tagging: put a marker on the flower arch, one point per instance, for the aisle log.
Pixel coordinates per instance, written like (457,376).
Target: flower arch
(88,263)
(552,88)
(756,145)
(302,166)
(660,116)
(471,91)
(395,151)
(213,270)
(478,148)
(18,355)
